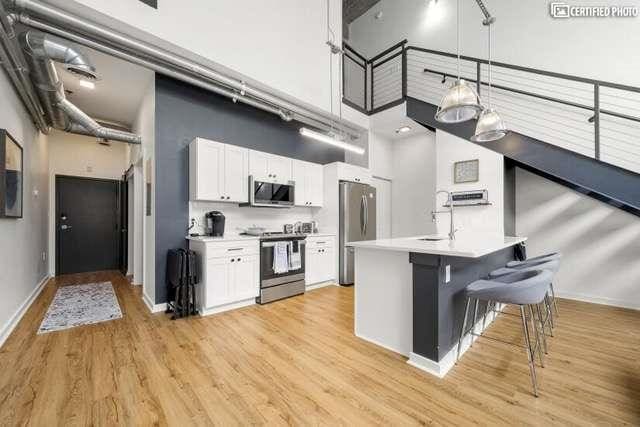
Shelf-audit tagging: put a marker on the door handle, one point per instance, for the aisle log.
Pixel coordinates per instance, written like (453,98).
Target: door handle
(362,202)
(65,227)
(366,213)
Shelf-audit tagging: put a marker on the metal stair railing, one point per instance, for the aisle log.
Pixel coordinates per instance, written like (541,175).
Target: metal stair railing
(595,118)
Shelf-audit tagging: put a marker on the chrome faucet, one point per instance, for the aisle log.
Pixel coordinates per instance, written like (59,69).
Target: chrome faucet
(452,231)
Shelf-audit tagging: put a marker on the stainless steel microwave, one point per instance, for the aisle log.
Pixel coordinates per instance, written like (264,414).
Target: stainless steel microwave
(271,194)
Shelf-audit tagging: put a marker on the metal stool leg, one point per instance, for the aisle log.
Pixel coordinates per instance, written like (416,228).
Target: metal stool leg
(542,333)
(462,330)
(538,345)
(532,368)
(549,309)
(475,317)
(553,298)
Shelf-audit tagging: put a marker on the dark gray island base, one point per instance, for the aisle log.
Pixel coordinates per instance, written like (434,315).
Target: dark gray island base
(409,292)
(438,306)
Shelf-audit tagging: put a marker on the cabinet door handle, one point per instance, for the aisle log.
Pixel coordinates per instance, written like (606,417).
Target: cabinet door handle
(234,249)
(222,197)
(228,197)
(232,259)
(239,259)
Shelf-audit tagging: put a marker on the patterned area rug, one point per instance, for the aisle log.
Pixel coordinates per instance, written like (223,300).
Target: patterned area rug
(79,305)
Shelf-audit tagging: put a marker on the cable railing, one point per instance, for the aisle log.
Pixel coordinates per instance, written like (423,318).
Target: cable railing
(595,118)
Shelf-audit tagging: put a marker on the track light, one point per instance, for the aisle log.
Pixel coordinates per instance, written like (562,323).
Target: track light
(331,141)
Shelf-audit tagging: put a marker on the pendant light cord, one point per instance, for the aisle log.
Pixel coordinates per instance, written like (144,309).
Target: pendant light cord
(458,38)
(489,64)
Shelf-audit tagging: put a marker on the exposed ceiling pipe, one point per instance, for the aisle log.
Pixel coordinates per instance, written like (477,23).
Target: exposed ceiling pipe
(160,56)
(164,70)
(41,51)
(14,64)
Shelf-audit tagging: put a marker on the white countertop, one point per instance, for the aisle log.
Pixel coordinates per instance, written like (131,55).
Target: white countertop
(469,245)
(238,237)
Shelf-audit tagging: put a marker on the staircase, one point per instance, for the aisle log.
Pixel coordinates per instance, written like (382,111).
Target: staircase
(578,132)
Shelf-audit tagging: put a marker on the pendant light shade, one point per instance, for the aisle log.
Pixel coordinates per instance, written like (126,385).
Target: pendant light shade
(490,127)
(459,104)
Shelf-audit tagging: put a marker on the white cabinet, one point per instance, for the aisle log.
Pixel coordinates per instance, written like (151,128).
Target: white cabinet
(269,167)
(309,183)
(320,260)
(218,172)
(347,172)
(229,274)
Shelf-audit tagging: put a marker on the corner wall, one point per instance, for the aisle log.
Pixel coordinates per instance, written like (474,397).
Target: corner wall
(23,242)
(600,244)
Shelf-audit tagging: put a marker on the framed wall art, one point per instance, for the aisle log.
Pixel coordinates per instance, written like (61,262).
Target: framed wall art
(466,171)
(11,176)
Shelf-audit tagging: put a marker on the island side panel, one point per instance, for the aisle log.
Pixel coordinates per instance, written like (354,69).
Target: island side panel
(426,278)
(439,306)
(383,299)
(451,299)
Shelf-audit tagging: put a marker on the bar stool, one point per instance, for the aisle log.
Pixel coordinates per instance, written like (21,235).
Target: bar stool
(553,265)
(547,257)
(523,288)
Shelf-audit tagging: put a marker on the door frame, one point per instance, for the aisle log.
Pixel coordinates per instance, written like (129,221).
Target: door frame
(56,212)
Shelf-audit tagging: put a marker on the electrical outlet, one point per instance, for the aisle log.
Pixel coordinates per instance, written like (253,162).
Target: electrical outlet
(447,274)
(44,256)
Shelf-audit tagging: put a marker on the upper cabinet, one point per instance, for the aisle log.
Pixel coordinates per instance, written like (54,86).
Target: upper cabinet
(218,172)
(353,173)
(309,183)
(269,167)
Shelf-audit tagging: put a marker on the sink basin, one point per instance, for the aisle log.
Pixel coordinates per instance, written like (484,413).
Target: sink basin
(434,238)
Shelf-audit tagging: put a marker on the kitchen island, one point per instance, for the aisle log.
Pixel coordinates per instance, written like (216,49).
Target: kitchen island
(409,292)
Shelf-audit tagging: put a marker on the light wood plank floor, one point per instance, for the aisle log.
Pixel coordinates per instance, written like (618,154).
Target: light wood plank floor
(297,362)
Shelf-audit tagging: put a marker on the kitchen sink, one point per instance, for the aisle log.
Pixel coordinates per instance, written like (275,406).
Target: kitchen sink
(434,238)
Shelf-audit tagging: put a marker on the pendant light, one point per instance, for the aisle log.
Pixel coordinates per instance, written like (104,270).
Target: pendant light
(460,103)
(490,126)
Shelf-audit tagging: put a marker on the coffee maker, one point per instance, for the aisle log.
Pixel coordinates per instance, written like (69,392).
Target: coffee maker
(214,224)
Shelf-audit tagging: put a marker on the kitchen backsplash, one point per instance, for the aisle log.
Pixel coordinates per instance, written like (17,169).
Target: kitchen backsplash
(239,217)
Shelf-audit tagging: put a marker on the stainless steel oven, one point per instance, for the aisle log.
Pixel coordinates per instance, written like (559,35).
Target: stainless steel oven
(275,286)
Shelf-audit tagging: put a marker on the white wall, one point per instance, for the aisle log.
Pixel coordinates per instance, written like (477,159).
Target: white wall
(484,219)
(279,43)
(144,245)
(79,155)
(380,156)
(599,243)
(524,34)
(413,186)
(23,242)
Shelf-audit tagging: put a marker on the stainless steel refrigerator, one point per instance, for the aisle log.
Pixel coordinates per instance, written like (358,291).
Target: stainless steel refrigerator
(357,222)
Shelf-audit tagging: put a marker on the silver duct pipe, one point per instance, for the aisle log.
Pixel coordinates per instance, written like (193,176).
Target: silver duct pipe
(14,64)
(164,70)
(41,51)
(178,64)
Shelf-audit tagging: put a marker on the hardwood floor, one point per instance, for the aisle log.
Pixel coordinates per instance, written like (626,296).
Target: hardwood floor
(297,362)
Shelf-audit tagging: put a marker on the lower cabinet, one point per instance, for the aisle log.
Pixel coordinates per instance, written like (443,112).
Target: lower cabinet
(320,260)
(229,274)
(231,279)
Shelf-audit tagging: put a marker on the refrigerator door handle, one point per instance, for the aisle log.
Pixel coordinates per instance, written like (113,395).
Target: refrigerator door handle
(366,215)
(362,215)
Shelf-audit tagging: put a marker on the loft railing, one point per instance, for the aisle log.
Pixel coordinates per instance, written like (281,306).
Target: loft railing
(595,118)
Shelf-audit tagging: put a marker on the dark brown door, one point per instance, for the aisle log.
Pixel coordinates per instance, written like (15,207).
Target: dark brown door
(87,224)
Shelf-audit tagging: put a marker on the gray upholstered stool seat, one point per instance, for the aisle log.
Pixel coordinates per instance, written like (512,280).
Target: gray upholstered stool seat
(527,289)
(546,257)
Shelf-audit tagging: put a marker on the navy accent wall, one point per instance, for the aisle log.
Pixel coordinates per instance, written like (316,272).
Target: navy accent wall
(184,112)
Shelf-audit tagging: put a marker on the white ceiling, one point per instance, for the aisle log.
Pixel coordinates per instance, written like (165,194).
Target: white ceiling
(118,93)
(386,123)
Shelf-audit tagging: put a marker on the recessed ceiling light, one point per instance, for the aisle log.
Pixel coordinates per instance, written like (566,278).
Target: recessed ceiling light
(87,84)
(403,129)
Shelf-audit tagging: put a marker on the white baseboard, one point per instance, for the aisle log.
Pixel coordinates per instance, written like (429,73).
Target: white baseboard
(441,368)
(599,300)
(13,321)
(320,285)
(388,347)
(227,307)
(154,308)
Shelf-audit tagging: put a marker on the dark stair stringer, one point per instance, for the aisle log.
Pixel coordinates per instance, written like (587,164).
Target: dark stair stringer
(613,185)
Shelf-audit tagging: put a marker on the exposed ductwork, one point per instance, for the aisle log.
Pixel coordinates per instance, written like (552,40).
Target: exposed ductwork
(41,51)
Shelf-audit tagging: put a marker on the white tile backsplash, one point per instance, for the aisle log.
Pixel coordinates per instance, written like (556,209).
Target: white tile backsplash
(239,217)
